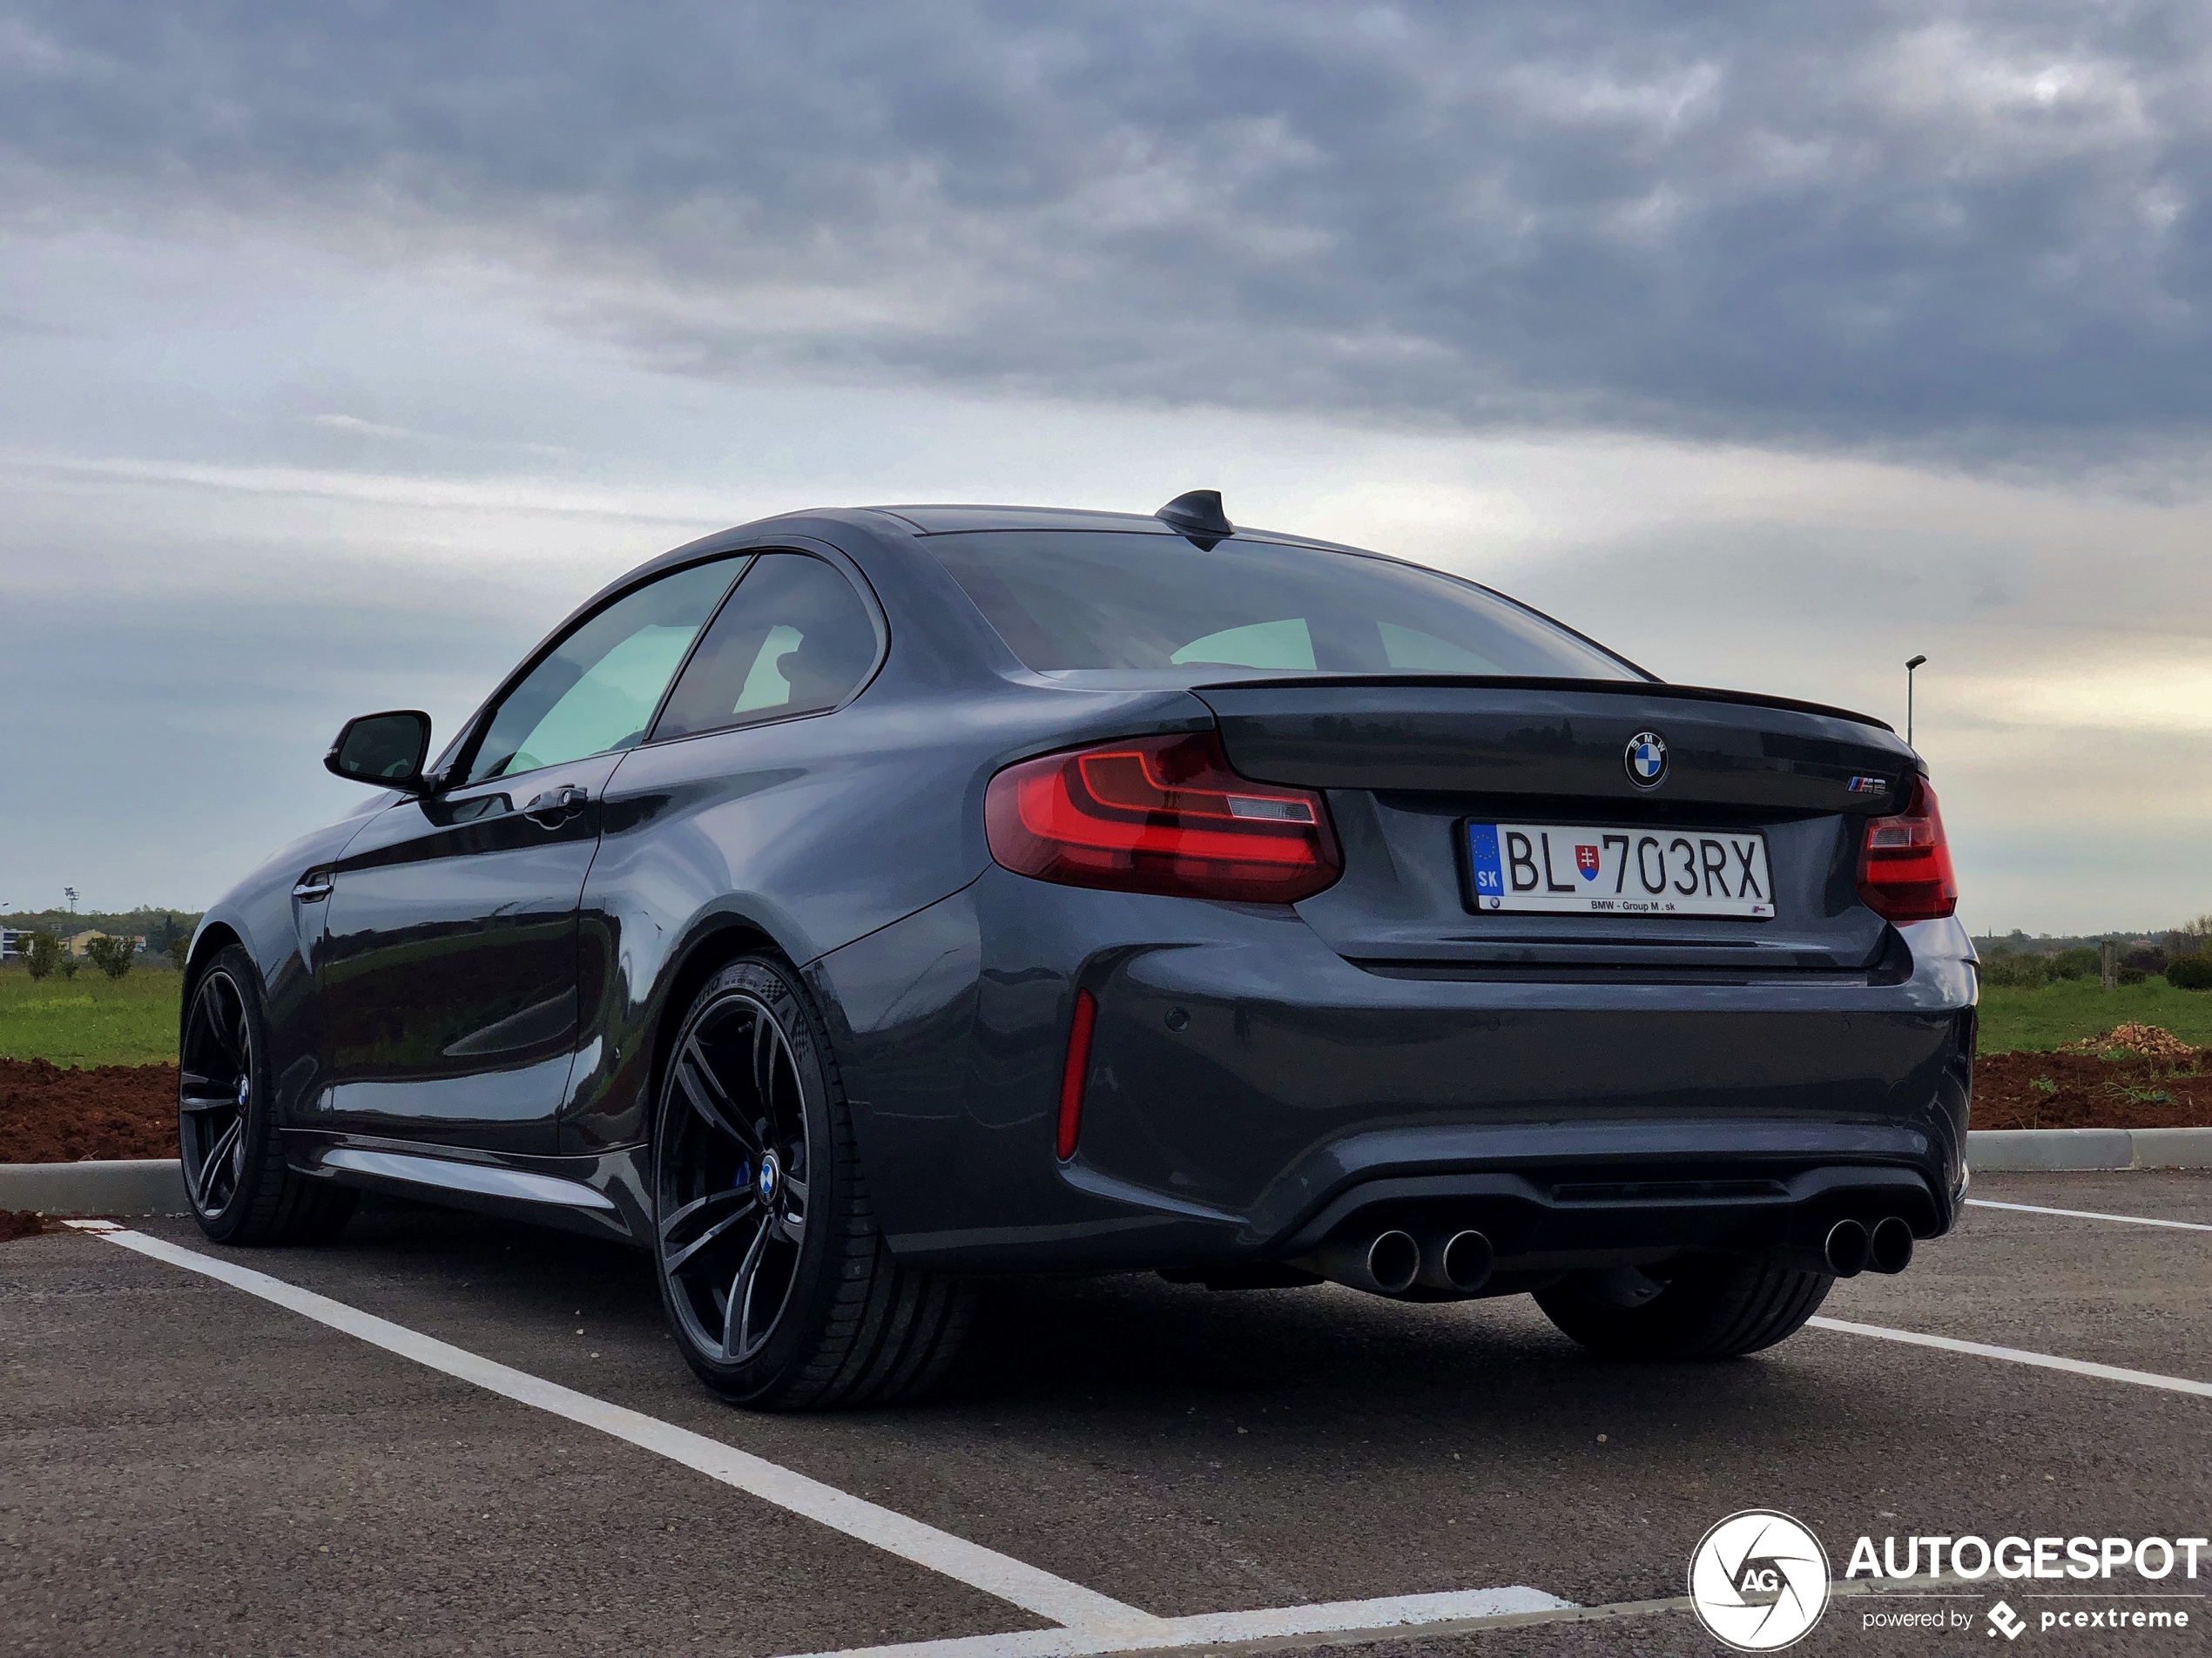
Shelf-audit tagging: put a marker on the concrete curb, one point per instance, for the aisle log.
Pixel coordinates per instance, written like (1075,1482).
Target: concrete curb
(136,1186)
(156,1186)
(2085,1150)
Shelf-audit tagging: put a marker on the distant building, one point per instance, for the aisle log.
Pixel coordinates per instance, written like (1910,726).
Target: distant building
(10,943)
(74,942)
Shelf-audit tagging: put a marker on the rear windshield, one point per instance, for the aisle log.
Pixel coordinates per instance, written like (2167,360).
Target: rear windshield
(1088,599)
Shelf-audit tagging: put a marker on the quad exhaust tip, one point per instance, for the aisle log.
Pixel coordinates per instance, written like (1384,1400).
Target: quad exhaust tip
(1392,1263)
(1457,1262)
(1386,1265)
(1889,1245)
(1847,1249)
(1854,1247)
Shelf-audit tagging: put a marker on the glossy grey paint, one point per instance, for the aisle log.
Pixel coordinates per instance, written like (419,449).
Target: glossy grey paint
(1295,1074)
(1376,1034)
(447,980)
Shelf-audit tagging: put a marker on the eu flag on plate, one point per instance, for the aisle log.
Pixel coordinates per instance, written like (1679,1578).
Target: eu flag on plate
(1489,872)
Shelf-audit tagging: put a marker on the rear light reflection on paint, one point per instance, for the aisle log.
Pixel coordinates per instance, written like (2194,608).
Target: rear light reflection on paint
(1905,872)
(1160,814)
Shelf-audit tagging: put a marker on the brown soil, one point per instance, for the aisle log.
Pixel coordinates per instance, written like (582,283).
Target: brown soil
(2085,1091)
(50,1114)
(23,1222)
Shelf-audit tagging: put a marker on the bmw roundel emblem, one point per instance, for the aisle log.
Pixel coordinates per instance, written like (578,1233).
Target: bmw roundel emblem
(1646,759)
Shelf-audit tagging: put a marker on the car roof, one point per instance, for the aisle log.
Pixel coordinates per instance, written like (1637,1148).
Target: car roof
(953,518)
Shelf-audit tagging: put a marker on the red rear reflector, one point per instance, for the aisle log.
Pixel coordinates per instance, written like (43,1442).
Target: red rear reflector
(1075,1073)
(1904,871)
(1160,814)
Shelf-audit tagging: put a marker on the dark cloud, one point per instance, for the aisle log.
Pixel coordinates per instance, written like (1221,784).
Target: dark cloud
(1964,227)
(179,735)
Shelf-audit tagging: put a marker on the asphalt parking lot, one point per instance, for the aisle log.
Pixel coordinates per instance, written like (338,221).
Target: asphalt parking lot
(190,1467)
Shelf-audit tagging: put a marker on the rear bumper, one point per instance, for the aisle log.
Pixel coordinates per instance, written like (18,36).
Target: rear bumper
(1249,1085)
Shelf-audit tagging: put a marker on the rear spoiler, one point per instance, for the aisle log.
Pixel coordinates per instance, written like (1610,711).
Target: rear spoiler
(1522,682)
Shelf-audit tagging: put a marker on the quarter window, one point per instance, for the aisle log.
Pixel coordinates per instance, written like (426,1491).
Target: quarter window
(794,638)
(597,691)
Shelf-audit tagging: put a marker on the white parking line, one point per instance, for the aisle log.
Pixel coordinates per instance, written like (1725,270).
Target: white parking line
(2019,1355)
(2087,1215)
(1092,1623)
(1338,1618)
(1257,1632)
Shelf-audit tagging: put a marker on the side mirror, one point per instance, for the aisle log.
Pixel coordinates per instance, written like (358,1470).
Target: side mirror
(385,749)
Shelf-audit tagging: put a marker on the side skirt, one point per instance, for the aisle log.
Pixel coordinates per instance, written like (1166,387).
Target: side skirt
(603,1196)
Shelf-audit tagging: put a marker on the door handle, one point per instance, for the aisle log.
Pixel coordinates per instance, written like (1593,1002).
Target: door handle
(316,882)
(556,807)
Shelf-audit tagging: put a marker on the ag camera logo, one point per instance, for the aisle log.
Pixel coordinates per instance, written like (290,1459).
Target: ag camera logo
(1758,1580)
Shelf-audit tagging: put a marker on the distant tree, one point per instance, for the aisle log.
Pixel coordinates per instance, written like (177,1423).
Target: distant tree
(2192,972)
(2017,971)
(179,947)
(2191,937)
(69,964)
(42,953)
(112,953)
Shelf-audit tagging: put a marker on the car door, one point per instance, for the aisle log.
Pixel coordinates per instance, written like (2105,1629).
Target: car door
(716,800)
(447,975)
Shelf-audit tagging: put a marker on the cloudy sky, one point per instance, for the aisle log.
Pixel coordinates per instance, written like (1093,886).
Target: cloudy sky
(345,347)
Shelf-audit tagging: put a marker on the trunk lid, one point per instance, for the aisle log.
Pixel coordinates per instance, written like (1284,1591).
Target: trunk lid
(1405,762)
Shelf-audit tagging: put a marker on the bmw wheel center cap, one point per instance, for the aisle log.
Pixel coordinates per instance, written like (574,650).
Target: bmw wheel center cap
(1646,759)
(765,1181)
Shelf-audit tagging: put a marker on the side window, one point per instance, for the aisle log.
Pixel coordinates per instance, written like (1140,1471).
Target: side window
(1258,645)
(597,691)
(793,639)
(1411,649)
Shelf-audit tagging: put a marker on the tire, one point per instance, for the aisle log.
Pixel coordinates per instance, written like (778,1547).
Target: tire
(1712,1307)
(235,1176)
(757,1185)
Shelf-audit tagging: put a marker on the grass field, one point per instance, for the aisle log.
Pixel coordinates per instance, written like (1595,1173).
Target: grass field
(2039,1019)
(90,1020)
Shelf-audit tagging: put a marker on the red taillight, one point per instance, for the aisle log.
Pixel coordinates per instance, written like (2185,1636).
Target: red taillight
(1904,864)
(1076,1072)
(1160,814)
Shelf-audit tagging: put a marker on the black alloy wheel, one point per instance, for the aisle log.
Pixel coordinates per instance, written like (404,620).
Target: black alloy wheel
(215,1090)
(235,1175)
(777,1282)
(733,1174)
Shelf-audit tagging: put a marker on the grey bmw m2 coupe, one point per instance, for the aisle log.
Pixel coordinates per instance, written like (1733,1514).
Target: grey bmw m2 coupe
(856,904)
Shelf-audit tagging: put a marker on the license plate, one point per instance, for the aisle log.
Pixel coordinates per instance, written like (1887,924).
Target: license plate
(1582,869)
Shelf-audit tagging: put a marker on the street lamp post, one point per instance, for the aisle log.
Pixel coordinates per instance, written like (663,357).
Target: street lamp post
(1909,667)
(69,892)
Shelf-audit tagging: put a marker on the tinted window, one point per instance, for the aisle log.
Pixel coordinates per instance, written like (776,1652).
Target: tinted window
(1067,599)
(598,689)
(793,639)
